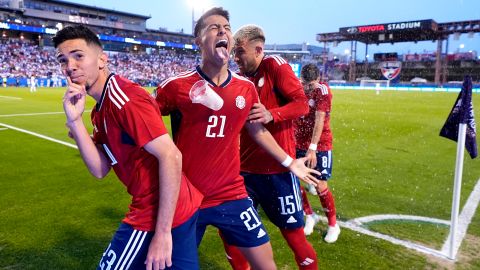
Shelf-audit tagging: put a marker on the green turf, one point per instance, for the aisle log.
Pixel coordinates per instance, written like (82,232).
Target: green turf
(388,159)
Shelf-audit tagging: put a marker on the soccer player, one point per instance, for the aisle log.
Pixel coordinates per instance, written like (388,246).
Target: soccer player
(314,141)
(33,83)
(214,104)
(281,101)
(130,137)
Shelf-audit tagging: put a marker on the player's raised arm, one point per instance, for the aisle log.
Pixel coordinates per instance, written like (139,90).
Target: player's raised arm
(297,166)
(74,105)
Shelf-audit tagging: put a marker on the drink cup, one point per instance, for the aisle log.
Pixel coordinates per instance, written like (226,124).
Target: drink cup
(202,93)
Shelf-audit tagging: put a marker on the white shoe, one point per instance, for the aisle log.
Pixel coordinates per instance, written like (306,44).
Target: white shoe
(310,222)
(312,189)
(332,234)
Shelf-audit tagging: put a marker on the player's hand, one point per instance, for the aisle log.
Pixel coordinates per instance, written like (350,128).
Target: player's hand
(159,253)
(259,114)
(311,161)
(303,172)
(74,101)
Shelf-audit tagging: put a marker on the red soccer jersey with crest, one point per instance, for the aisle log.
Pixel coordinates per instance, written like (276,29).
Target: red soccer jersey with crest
(319,99)
(209,138)
(281,92)
(125,119)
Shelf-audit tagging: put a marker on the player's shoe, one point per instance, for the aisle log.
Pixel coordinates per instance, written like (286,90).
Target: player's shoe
(332,234)
(312,189)
(310,222)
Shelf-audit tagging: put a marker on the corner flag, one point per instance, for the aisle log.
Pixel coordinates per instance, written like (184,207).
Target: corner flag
(462,113)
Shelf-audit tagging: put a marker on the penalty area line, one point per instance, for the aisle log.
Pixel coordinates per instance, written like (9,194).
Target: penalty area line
(39,135)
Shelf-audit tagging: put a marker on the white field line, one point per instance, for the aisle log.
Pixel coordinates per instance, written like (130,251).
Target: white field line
(464,219)
(34,114)
(29,114)
(3,129)
(39,135)
(7,97)
(361,220)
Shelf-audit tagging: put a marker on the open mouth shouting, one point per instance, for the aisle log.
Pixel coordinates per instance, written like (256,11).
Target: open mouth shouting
(221,49)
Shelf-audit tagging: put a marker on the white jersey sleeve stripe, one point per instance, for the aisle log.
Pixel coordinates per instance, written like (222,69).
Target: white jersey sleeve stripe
(110,155)
(120,91)
(113,99)
(181,75)
(113,91)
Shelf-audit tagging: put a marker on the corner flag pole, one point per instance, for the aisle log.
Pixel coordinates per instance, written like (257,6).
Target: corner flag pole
(457,188)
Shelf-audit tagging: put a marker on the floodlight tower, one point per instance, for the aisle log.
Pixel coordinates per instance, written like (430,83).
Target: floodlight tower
(198,5)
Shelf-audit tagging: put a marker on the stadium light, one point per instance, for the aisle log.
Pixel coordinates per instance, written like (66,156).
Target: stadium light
(197,5)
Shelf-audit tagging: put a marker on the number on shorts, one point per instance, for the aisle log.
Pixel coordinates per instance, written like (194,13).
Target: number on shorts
(287,204)
(325,162)
(250,219)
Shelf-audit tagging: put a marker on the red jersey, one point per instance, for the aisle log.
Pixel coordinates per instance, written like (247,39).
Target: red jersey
(124,120)
(319,99)
(209,137)
(281,92)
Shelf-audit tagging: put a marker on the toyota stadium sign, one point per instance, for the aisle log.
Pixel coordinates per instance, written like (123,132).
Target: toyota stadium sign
(390,27)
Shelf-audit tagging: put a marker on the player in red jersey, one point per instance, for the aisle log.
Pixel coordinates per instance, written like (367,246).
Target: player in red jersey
(214,104)
(130,137)
(273,187)
(314,141)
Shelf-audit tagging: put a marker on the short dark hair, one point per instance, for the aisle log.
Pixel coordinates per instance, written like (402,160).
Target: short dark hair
(213,11)
(310,72)
(76,32)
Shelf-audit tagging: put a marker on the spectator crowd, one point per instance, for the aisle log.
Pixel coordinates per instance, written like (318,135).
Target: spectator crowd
(22,59)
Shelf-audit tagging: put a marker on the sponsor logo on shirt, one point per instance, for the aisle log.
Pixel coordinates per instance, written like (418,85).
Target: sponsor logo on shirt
(311,102)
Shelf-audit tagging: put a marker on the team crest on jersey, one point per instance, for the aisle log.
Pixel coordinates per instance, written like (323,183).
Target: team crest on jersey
(311,102)
(261,82)
(240,102)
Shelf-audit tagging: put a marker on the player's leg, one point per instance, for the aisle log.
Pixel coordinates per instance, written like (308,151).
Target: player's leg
(280,197)
(324,165)
(127,250)
(311,218)
(234,256)
(184,252)
(241,227)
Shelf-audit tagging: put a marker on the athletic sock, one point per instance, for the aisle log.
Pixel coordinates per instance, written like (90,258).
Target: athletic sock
(307,208)
(234,256)
(328,204)
(305,255)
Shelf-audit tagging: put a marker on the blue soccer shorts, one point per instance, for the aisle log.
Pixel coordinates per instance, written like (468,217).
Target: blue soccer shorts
(129,247)
(237,220)
(280,197)
(324,163)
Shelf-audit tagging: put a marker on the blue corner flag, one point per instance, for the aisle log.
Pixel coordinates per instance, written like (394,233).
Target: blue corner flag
(462,113)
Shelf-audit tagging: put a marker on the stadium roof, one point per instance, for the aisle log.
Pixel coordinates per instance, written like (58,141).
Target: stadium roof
(420,30)
(97,8)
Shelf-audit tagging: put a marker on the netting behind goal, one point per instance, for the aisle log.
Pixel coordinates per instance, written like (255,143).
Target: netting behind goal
(374,84)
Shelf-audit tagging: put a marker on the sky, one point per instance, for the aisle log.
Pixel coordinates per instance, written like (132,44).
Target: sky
(295,22)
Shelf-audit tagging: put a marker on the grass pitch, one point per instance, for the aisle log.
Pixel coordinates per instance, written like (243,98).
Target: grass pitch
(388,159)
